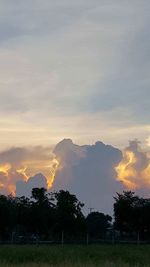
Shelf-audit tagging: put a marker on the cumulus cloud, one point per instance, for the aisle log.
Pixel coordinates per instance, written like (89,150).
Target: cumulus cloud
(18,165)
(93,172)
(89,172)
(96,172)
(134,169)
(24,188)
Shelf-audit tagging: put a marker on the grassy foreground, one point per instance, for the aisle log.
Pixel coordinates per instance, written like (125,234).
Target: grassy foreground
(76,256)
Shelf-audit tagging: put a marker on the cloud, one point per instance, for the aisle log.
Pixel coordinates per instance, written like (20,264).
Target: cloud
(89,172)
(78,69)
(86,170)
(93,172)
(96,172)
(17,156)
(18,165)
(134,169)
(24,188)
(64,61)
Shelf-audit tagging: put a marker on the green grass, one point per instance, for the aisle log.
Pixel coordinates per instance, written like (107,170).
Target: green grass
(75,256)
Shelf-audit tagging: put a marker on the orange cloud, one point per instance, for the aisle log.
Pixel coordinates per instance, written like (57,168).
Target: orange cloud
(19,164)
(134,169)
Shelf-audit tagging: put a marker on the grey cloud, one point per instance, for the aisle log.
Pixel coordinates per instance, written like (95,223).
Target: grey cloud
(73,58)
(33,18)
(89,172)
(17,156)
(24,188)
(85,170)
(142,159)
(18,164)
(128,87)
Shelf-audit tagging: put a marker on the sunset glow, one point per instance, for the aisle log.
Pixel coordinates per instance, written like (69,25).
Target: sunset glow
(23,172)
(75,98)
(5,168)
(126,171)
(134,169)
(9,175)
(53,169)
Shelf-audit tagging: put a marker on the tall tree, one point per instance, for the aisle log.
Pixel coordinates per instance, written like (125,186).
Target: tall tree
(41,211)
(69,212)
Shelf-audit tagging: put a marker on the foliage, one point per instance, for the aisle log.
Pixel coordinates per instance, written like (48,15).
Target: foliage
(68,211)
(132,214)
(42,216)
(50,216)
(98,224)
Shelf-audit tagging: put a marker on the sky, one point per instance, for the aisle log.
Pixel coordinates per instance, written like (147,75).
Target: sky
(77,70)
(74,69)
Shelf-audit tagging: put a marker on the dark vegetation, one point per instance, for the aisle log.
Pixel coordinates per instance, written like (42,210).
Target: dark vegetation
(58,217)
(75,255)
(132,216)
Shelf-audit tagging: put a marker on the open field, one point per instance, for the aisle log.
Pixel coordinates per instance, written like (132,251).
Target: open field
(76,256)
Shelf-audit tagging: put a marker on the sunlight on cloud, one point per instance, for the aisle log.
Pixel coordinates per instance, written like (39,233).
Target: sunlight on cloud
(134,169)
(20,164)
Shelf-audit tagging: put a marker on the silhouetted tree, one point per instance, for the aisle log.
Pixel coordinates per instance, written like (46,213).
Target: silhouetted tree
(132,214)
(23,215)
(48,214)
(7,216)
(41,212)
(98,224)
(70,218)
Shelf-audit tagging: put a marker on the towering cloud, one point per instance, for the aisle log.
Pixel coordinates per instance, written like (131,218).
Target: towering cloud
(89,172)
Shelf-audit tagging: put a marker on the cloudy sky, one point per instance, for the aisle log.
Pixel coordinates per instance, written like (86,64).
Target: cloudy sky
(77,69)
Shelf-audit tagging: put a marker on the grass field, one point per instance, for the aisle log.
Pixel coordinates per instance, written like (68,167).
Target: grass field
(76,256)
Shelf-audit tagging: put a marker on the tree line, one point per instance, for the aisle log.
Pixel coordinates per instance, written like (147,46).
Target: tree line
(59,215)
(132,216)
